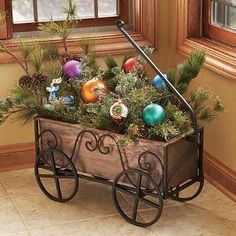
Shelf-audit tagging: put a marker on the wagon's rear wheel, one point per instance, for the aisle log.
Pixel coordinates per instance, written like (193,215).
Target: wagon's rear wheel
(142,193)
(56,175)
(188,190)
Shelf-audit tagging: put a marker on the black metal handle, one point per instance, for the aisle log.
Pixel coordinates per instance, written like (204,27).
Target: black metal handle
(120,24)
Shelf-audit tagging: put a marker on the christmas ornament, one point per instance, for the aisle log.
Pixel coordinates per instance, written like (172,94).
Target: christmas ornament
(118,110)
(68,100)
(153,114)
(72,69)
(92,89)
(130,64)
(158,82)
(54,87)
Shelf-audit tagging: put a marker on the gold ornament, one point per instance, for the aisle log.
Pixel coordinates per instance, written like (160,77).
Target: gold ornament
(92,90)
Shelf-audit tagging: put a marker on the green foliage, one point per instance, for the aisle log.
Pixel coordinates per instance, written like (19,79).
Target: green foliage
(52,70)
(50,52)
(109,76)
(204,107)
(187,71)
(133,89)
(87,44)
(24,103)
(64,28)
(36,58)
(25,48)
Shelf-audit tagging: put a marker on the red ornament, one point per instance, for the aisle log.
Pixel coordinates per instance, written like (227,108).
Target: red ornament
(130,64)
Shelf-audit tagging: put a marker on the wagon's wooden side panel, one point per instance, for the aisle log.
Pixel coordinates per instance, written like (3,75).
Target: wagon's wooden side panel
(184,154)
(96,163)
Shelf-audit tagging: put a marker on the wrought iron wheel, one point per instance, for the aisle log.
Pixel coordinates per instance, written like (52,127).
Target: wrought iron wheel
(142,193)
(187,191)
(56,175)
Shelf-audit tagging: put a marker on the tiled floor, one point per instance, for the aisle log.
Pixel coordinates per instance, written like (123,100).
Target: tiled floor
(24,210)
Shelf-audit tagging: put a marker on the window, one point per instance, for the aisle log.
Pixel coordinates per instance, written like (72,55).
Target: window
(26,14)
(220,20)
(209,25)
(143,27)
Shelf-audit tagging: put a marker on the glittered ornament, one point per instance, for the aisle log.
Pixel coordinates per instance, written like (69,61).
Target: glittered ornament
(68,100)
(118,111)
(72,69)
(158,82)
(92,90)
(153,114)
(130,64)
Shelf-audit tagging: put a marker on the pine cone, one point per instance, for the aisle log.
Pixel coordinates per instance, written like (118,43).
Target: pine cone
(25,81)
(39,80)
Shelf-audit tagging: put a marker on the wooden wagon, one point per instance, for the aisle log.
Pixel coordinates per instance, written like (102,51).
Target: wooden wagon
(145,172)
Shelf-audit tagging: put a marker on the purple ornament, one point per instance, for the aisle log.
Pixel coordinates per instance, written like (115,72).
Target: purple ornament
(72,69)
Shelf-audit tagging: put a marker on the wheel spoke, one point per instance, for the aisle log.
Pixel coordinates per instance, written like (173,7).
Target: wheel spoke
(56,179)
(124,190)
(58,188)
(137,197)
(46,176)
(150,203)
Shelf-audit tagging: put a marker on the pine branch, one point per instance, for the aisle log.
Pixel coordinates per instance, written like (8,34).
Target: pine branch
(189,70)
(50,52)
(87,44)
(36,58)
(26,49)
(3,48)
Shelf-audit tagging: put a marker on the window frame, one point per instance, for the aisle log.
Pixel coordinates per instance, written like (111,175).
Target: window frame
(143,28)
(220,58)
(214,31)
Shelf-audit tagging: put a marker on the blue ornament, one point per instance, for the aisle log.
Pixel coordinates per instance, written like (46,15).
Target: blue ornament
(158,82)
(153,114)
(68,100)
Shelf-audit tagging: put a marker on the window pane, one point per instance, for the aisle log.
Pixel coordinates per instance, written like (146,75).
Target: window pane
(107,8)
(85,8)
(22,11)
(218,10)
(231,23)
(53,9)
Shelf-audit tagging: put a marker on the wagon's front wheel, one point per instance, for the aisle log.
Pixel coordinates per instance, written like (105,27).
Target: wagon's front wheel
(141,193)
(56,175)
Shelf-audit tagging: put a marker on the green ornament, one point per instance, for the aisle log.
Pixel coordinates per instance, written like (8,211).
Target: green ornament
(153,114)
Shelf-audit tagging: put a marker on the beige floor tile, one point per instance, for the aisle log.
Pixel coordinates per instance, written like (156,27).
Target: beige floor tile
(10,221)
(11,180)
(203,218)
(92,200)
(111,226)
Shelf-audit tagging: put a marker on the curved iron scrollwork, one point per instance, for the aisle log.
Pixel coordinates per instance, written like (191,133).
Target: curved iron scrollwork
(150,166)
(52,143)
